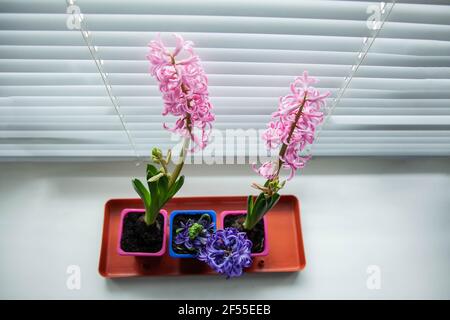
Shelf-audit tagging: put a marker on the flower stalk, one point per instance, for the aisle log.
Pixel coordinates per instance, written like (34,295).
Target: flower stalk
(179,166)
(292,127)
(183,85)
(284,147)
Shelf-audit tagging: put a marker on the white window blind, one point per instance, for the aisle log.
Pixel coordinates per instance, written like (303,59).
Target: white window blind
(390,84)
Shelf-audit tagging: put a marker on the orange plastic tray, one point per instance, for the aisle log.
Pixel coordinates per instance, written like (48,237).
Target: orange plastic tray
(286,252)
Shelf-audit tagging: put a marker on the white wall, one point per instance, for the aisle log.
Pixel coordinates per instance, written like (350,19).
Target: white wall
(356,212)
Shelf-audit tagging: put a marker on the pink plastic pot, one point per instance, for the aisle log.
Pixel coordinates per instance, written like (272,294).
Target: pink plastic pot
(265,252)
(142,254)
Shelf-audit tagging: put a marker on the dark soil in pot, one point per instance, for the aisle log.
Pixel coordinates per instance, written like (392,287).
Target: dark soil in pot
(176,224)
(138,237)
(256,235)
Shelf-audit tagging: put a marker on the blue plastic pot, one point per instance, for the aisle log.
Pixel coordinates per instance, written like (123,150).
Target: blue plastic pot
(173,214)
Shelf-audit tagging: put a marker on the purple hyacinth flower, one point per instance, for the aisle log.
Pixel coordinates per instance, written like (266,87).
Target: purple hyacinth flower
(193,234)
(227,252)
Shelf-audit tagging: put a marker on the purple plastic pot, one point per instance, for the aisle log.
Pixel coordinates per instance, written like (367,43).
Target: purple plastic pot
(142,254)
(265,252)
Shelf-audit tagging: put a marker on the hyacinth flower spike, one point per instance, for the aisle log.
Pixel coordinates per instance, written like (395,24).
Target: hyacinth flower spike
(227,252)
(184,88)
(291,129)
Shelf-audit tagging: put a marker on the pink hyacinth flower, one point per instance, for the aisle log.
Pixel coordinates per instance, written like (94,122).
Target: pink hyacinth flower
(292,161)
(184,87)
(296,136)
(268,170)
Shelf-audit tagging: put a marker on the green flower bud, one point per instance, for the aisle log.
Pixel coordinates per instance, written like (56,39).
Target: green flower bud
(156,155)
(195,230)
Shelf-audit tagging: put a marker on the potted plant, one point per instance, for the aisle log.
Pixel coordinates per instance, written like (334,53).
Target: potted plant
(143,231)
(184,89)
(290,130)
(189,231)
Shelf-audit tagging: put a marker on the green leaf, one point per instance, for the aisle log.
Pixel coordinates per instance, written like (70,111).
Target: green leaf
(263,209)
(172,191)
(163,186)
(153,188)
(179,230)
(273,201)
(143,193)
(249,205)
(175,187)
(151,171)
(257,207)
(156,177)
(260,204)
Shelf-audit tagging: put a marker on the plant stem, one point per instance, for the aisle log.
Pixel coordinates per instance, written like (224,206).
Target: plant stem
(186,141)
(163,165)
(147,216)
(179,166)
